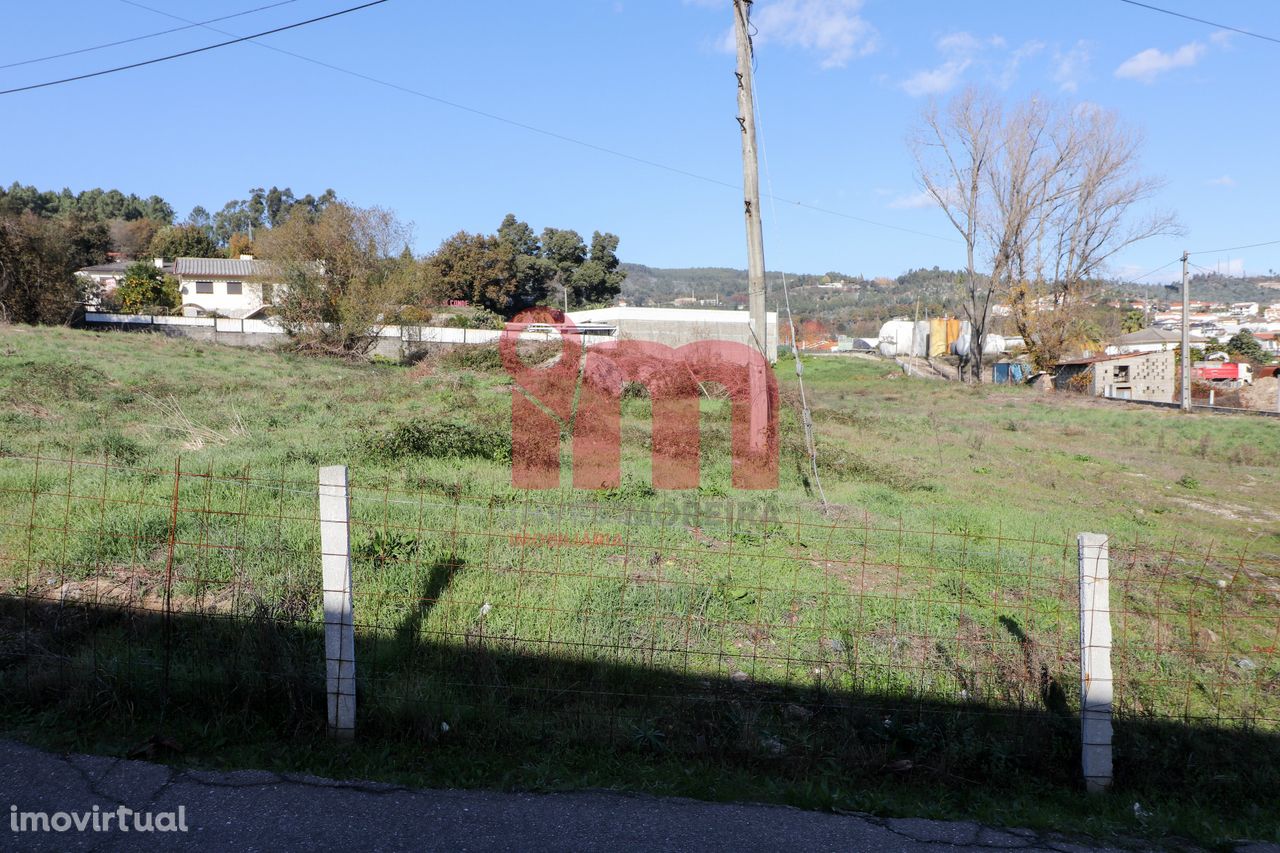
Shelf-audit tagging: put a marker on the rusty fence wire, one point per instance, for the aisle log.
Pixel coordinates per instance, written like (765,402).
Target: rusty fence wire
(660,623)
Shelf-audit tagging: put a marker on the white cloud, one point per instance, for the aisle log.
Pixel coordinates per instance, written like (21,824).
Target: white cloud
(831,28)
(962,43)
(1152,62)
(960,47)
(935,81)
(1072,66)
(962,51)
(913,201)
(1222,38)
(1224,181)
(1011,65)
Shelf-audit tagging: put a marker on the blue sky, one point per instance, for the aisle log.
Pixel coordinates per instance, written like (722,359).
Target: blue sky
(840,84)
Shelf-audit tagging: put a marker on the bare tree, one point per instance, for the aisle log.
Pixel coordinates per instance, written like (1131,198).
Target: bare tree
(954,152)
(1049,193)
(1074,195)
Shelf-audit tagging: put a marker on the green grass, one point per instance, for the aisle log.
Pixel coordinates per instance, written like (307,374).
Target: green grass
(796,655)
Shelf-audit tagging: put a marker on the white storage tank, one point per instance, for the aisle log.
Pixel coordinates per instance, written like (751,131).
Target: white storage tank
(895,338)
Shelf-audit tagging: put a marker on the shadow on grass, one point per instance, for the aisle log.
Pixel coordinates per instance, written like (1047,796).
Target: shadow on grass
(441,572)
(476,709)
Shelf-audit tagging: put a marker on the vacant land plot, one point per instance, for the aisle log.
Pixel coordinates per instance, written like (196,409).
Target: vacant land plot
(908,645)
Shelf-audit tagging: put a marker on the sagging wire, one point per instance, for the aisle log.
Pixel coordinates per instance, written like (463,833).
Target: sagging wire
(806,415)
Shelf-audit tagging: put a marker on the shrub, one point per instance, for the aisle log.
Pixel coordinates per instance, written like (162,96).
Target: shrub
(117,447)
(482,357)
(146,289)
(441,440)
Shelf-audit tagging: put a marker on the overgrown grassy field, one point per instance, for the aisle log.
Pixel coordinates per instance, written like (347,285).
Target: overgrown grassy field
(866,654)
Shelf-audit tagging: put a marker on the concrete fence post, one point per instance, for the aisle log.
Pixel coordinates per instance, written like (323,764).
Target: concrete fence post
(339,634)
(1096,689)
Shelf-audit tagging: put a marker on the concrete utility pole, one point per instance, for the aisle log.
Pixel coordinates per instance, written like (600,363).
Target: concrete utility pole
(1186,338)
(757,381)
(750,177)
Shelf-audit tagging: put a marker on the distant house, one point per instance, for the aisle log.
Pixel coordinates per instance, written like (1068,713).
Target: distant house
(1152,339)
(1130,376)
(105,278)
(239,288)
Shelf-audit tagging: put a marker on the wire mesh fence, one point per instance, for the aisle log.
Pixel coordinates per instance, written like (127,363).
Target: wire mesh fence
(652,622)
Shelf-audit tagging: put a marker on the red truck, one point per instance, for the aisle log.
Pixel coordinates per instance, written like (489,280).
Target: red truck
(1231,373)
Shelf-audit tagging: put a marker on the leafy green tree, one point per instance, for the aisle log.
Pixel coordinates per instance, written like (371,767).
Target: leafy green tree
(234,218)
(38,260)
(565,251)
(477,267)
(94,204)
(533,272)
(598,280)
(157,210)
(200,218)
(278,204)
(183,241)
(1243,345)
(147,289)
(1134,321)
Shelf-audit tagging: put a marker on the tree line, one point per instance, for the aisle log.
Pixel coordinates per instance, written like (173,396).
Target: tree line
(347,271)
(344,267)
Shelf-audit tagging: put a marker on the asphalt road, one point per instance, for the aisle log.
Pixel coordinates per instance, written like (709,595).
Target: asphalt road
(252,810)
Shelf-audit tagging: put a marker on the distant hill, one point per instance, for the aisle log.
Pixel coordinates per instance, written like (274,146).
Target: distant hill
(655,285)
(1212,287)
(857,308)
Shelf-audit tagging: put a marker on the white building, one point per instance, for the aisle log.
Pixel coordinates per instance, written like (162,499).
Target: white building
(226,288)
(1152,340)
(678,326)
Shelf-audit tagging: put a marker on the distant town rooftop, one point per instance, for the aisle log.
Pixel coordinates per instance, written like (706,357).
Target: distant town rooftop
(1154,335)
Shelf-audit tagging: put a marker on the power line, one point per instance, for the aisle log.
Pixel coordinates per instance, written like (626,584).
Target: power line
(143,38)
(613,152)
(191,52)
(1201,21)
(1234,248)
(1156,270)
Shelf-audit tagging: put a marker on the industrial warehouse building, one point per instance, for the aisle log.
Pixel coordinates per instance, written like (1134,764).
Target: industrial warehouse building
(1131,376)
(678,326)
